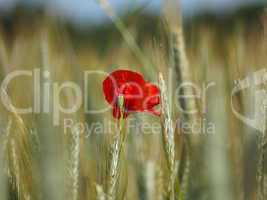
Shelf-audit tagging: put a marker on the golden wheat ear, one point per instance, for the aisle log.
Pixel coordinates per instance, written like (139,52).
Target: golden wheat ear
(19,158)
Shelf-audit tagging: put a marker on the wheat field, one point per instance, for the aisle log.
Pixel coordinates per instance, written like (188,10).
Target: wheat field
(209,154)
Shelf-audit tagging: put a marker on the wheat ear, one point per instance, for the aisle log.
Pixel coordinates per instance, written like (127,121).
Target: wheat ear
(168,138)
(115,152)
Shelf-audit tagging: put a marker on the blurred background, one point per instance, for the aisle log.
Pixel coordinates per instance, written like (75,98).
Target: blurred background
(202,41)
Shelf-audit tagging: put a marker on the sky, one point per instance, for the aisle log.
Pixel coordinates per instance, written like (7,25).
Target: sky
(89,11)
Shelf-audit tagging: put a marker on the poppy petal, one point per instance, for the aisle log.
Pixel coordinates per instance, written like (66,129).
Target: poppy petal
(151,89)
(138,95)
(152,95)
(125,76)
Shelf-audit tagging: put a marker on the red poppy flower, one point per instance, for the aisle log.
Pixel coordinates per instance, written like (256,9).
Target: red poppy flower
(138,95)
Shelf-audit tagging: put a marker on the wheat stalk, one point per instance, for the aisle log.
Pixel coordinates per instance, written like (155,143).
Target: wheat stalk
(183,76)
(74,162)
(262,140)
(3,151)
(17,147)
(127,36)
(180,61)
(260,167)
(15,164)
(168,137)
(116,150)
(113,175)
(183,184)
